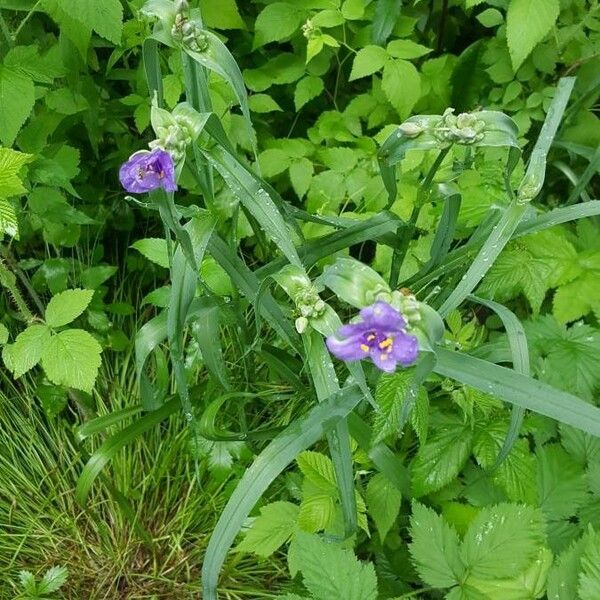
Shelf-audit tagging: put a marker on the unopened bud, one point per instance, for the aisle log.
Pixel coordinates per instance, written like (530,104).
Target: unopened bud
(410,129)
(301,324)
(181,6)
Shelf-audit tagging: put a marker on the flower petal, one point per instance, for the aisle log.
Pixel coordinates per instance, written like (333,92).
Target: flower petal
(383,317)
(406,349)
(348,349)
(383,360)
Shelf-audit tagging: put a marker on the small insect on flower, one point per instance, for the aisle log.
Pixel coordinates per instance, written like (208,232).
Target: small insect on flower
(380,335)
(146,171)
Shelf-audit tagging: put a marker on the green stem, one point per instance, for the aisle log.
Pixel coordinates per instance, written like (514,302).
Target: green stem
(27,17)
(409,231)
(10,42)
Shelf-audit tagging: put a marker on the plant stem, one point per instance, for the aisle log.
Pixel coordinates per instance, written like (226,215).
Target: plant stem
(27,17)
(6,32)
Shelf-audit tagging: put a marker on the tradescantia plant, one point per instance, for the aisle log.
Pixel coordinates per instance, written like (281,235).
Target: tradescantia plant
(394,328)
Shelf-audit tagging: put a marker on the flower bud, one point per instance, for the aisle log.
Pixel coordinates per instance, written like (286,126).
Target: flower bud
(410,130)
(181,6)
(301,324)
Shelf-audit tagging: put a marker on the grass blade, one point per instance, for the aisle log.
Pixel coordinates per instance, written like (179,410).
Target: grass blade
(519,389)
(298,436)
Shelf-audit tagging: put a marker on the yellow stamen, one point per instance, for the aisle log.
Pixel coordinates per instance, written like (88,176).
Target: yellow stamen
(370,337)
(364,347)
(384,357)
(387,342)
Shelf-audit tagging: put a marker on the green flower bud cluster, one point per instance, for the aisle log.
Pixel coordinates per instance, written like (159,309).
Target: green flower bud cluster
(190,33)
(309,305)
(174,138)
(405,303)
(465,128)
(309,31)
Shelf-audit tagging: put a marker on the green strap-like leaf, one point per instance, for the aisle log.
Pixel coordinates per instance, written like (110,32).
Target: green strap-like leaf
(518,389)
(281,452)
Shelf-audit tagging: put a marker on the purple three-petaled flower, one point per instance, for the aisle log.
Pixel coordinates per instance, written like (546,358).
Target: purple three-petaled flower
(380,335)
(146,171)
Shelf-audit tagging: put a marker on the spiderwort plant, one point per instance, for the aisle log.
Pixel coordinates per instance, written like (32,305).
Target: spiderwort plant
(148,170)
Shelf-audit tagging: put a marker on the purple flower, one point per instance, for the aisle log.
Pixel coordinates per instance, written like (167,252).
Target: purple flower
(380,335)
(146,171)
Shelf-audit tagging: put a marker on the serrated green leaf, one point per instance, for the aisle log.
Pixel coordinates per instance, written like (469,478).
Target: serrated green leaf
(16,103)
(72,358)
(407,49)
(263,103)
(330,571)
(8,219)
(563,577)
(318,469)
(307,88)
(273,162)
(383,503)
(402,85)
(368,60)
(11,162)
(27,349)
(502,540)
(527,24)
(67,306)
(103,16)
(154,249)
(589,576)
(276,22)
(434,548)
(53,580)
(562,486)
(221,15)
(3,334)
(441,458)
(273,528)
(577,298)
(301,174)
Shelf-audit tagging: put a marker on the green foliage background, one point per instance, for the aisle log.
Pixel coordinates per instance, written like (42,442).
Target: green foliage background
(84,268)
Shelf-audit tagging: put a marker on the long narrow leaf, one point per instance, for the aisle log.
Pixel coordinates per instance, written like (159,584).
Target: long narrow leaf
(518,389)
(300,435)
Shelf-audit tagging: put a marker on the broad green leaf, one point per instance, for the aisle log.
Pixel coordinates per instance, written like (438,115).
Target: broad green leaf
(307,88)
(406,49)
(273,528)
(318,469)
(301,174)
(579,297)
(221,15)
(263,103)
(273,162)
(67,306)
(434,548)
(72,359)
(441,458)
(383,503)
(27,60)
(527,24)
(502,540)
(564,575)
(8,220)
(368,60)
(27,349)
(402,85)
(561,483)
(276,22)
(11,162)
(103,16)
(76,30)
(330,571)
(3,334)
(154,249)
(16,103)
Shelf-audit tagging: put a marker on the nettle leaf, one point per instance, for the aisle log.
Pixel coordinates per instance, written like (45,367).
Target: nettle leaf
(561,483)
(27,349)
(390,395)
(11,162)
(434,548)
(383,502)
(441,458)
(276,22)
(330,571)
(16,103)
(368,60)
(567,358)
(527,24)
(502,540)
(563,578)
(8,219)
(273,528)
(579,297)
(531,265)
(516,475)
(67,306)
(307,88)
(72,359)
(402,85)
(318,469)
(589,576)
(154,249)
